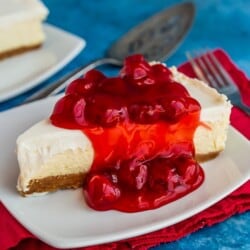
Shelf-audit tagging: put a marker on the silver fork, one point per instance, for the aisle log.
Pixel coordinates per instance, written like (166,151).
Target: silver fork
(208,69)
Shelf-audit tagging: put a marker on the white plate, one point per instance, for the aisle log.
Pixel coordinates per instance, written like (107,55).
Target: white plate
(63,220)
(22,72)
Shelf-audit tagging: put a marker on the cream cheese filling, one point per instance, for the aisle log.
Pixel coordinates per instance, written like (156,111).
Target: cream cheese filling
(46,150)
(24,34)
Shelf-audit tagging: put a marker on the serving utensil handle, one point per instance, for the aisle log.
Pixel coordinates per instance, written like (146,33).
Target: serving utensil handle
(57,86)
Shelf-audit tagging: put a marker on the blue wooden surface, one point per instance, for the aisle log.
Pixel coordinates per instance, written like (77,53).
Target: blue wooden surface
(224,24)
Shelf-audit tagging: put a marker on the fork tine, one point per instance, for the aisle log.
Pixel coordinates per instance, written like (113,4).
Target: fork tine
(207,68)
(222,71)
(196,67)
(210,79)
(214,70)
(200,69)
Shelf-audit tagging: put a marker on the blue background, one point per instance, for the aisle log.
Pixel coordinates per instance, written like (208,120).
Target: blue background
(224,24)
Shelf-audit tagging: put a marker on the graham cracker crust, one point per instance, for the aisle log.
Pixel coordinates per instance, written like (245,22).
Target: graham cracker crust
(18,51)
(203,158)
(53,183)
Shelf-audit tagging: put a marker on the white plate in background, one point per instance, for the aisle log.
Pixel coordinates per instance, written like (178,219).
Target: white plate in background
(22,72)
(63,220)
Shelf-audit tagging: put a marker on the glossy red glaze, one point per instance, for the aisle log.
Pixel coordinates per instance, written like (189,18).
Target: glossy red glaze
(141,125)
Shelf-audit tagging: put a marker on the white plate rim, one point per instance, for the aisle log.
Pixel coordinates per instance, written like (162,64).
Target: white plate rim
(79,45)
(75,242)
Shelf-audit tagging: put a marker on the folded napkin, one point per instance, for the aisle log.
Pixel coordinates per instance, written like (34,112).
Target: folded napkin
(15,236)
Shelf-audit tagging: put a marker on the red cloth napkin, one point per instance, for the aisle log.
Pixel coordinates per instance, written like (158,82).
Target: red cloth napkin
(15,236)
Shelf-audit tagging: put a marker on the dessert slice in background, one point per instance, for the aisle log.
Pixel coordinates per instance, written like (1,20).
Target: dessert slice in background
(21,26)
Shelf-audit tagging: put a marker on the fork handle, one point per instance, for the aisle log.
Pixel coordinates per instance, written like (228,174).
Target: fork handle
(55,87)
(236,101)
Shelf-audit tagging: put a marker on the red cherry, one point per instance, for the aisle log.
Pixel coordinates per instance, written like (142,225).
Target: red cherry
(80,86)
(161,73)
(101,192)
(173,180)
(143,82)
(105,111)
(133,174)
(113,86)
(131,66)
(192,105)
(176,89)
(145,113)
(188,169)
(136,71)
(159,170)
(113,116)
(86,85)
(139,73)
(175,108)
(79,112)
(69,111)
(94,76)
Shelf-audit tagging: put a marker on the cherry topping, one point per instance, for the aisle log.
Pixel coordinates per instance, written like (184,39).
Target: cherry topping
(161,73)
(79,86)
(94,76)
(105,111)
(113,86)
(69,112)
(145,113)
(175,89)
(86,85)
(178,107)
(141,125)
(136,71)
(135,67)
(133,174)
(188,168)
(162,176)
(143,93)
(101,192)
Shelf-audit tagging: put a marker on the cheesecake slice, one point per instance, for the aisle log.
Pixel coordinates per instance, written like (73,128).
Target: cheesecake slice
(21,26)
(76,141)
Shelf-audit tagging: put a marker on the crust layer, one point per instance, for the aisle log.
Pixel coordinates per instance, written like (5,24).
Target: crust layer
(18,51)
(203,158)
(53,183)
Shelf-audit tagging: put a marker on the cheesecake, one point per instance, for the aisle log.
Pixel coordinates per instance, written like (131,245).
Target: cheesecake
(21,26)
(139,136)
